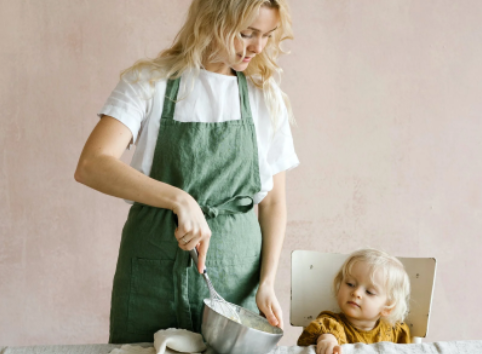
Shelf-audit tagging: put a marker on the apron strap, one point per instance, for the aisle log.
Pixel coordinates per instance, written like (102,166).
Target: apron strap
(172,88)
(244,96)
(235,205)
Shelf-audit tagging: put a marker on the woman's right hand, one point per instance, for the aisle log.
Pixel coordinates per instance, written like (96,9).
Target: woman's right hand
(192,228)
(327,344)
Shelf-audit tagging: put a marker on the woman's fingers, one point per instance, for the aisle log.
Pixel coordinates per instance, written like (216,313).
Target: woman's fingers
(268,313)
(185,234)
(189,236)
(193,229)
(202,251)
(274,315)
(188,239)
(337,350)
(268,305)
(190,219)
(279,316)
(188,242)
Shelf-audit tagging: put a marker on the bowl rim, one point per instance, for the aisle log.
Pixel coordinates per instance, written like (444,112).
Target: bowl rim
(205,301)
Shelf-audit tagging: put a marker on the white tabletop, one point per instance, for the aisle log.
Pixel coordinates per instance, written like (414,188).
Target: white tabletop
(455,347)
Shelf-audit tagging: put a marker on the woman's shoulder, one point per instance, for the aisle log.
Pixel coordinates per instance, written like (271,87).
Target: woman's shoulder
(141,84)
(142,75)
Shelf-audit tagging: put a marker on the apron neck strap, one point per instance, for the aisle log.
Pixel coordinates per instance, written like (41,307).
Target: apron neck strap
(243,96)
(172,90)
(170,98)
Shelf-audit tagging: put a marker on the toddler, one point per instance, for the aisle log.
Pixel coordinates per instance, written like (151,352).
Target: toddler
(372,291)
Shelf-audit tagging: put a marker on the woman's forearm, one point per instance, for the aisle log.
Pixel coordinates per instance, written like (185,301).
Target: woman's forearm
(100,168)
(272,219)
(114,177)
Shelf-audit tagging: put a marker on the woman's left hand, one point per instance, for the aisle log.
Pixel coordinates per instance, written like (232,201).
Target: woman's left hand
(269,306)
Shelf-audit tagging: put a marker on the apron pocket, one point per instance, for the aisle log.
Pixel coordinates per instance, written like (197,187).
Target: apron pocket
(151,300)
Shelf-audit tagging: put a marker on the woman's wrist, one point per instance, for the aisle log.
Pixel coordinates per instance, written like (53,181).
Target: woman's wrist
(267,282)
(178,200)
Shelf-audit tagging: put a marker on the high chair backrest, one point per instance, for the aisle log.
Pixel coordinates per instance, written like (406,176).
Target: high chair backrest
(312,275)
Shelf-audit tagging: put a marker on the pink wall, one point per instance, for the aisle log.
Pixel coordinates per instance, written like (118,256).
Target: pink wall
(387,95)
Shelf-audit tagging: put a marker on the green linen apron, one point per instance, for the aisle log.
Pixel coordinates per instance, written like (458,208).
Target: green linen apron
(156,284)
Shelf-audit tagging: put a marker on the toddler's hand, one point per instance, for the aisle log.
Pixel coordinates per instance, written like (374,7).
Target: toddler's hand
(327,344)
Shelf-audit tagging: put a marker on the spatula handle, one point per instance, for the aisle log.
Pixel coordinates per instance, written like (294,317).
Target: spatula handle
(194,255)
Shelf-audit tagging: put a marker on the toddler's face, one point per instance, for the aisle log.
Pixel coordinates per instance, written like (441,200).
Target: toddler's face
(362,300)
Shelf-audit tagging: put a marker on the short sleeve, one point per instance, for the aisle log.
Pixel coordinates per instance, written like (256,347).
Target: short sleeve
(130,101)
(322,325)
(402,333)
(281,153)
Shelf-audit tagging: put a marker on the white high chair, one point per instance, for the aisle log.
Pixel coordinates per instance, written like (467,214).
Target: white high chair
(312,275)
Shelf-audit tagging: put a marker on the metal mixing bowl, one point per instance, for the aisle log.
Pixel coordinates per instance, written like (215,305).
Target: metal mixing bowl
(254,335)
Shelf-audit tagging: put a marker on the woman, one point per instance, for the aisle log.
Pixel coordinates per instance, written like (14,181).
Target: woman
(209,145)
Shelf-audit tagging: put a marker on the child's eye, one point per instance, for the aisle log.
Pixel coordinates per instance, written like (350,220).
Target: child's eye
(370,293)
(349,284)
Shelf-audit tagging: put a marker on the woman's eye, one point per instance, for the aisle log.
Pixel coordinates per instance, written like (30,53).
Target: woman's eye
(246,35)
(349,284)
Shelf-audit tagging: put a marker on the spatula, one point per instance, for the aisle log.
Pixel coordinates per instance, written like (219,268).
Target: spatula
(218,303)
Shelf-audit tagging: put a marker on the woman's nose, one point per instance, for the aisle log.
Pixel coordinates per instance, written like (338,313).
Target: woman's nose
(257,45)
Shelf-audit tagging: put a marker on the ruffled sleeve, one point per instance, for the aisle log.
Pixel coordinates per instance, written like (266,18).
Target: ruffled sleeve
(324,324)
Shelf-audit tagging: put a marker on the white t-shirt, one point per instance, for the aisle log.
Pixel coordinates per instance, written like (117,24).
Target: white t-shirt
(214,98)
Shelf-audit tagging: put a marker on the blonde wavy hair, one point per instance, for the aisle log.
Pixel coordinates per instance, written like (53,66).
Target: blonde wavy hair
(209,33)
(397,283)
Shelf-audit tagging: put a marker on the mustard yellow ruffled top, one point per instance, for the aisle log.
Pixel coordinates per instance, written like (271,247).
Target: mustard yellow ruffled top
(338,325)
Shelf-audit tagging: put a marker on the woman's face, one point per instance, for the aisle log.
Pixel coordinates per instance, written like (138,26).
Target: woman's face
(255,37)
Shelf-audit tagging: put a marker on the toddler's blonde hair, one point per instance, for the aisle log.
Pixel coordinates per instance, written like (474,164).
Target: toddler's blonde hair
(397,284)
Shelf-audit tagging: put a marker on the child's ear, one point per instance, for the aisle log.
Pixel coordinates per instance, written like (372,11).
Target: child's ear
(387,310)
